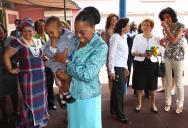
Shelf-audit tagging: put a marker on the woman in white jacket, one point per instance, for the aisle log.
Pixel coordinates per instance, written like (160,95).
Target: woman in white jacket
(145,64)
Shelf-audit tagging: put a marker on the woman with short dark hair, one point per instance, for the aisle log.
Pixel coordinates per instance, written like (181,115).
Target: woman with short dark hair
(118,55)
(174,54)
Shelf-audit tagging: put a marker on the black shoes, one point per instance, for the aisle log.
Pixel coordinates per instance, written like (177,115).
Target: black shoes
(68,98)
(62,103)
(124,120)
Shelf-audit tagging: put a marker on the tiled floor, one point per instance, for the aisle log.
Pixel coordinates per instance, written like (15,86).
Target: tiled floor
(144,119)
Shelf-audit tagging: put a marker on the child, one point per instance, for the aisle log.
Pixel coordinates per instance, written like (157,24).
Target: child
(59,43)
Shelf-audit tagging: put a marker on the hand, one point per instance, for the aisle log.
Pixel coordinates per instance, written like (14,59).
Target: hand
(61,74)
(14,71)
(45,58)
(61,57)
(141,55)
(138,54)
(112,76)
(162,42)
(163,24)
(126,72)
(148,54)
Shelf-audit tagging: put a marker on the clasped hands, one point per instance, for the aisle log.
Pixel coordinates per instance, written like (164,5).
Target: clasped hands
(147,54)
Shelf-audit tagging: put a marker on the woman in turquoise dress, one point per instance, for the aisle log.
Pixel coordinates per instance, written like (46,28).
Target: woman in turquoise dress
(87,60)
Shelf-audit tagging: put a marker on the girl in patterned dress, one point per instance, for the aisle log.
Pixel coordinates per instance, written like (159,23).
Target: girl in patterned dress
(59,43)
(31,77)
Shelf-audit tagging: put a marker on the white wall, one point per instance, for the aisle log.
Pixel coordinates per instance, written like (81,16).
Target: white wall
(138,10)
(138,6)
(104,6)
(60,14)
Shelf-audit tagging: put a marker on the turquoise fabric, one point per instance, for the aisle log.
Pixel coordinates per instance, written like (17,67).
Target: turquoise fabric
(85,113)
(85,66)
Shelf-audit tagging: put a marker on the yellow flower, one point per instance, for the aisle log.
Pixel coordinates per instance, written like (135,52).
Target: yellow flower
(155,51)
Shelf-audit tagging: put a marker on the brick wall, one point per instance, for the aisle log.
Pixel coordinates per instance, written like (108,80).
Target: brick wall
(30,11)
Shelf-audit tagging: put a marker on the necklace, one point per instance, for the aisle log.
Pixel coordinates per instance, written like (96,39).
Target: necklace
(35,50)
(149,36)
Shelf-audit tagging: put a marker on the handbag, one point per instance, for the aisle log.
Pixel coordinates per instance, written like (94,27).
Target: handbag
(160,68)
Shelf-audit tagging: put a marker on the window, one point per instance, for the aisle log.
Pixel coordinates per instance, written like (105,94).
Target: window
(11,18)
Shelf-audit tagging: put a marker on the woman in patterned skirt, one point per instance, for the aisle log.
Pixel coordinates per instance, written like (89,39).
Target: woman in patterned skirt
(31,76)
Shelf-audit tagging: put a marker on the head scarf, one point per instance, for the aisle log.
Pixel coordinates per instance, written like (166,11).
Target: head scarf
(26,22)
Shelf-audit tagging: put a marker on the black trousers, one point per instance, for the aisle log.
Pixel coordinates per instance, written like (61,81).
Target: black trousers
(117,94)
(49,84)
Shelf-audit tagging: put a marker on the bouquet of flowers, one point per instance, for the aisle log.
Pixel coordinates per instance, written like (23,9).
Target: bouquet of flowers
(155,51)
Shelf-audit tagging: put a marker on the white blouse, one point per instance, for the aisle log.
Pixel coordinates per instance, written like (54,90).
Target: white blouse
(118,52)
(141,44)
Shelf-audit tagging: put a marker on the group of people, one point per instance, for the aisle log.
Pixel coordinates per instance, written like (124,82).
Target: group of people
(45,51)
(145,51)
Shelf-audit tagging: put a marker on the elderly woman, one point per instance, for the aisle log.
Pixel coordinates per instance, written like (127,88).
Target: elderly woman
(8,82)
(174,56)
(118,55)
(31,76)
(145,64)
(87,60)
